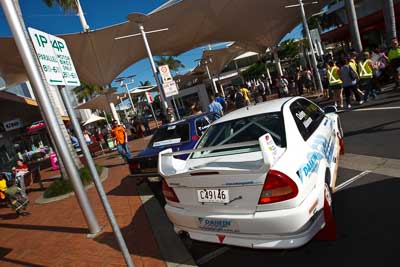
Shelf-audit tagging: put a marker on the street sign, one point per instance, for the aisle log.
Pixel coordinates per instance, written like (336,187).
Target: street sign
(165,73)
(54,58)
(170,88)
(149,98)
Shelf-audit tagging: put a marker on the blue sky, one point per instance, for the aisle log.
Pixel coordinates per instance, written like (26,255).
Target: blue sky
(99,14)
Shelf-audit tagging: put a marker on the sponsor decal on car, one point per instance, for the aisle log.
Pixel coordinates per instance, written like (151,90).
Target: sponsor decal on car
(311,165)
(218,225)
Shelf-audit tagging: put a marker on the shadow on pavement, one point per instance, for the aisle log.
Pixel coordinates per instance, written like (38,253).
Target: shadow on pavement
(5,251)
(9,216)
(367,220)
(63,229)
(125,187)
(373,129)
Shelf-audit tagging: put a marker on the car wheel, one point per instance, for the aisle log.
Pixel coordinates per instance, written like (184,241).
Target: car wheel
(328,196)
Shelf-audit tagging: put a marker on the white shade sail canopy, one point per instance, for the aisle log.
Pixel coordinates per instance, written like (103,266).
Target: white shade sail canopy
(102,102)
(254,25)
(93,118)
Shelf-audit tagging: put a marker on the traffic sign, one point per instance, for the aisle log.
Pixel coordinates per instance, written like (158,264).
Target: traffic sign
(54,58)
(149,98)
(170,88)
(165,73)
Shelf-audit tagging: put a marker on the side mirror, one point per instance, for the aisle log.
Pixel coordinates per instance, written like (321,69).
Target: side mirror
(330,109)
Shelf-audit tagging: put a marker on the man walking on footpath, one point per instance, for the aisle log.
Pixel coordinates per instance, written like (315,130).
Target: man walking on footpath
(118,131)
(216,107)
(394,60)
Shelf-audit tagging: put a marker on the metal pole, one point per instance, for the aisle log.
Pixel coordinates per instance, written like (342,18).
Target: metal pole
(130,98)
(153,68)
(85,26)
(353,23)
(34,75)
(209,77)
(126,115)
(314,59)
(390,20)
(96,178)
(154,115)
(277,62)
(176,108)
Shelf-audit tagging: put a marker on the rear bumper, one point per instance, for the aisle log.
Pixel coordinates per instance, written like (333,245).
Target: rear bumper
(279,229)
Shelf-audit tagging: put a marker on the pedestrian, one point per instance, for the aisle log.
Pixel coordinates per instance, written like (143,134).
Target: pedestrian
(121,138)
(87,137)
(246,94)
(282,84)
(307,80)
(195,109)
(299,81)
(215,107)
(349,82)
(222,101)
(335,83)
(379,61)
(239,99)
(323,72)
(145,122)
(394,60)
(366,68)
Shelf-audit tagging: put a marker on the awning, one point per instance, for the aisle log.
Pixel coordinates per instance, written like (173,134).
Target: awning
(93,118)
(254,25)
(101,102)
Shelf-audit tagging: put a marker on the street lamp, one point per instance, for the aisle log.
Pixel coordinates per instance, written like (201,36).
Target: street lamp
(205,62)
(122,83)
(307,30)
(139,19)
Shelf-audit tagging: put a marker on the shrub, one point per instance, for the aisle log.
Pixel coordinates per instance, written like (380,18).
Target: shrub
(62,187)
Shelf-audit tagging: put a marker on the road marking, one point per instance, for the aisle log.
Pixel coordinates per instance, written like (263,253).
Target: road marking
(212,255)
(384,166)
(372,109)
(350,181)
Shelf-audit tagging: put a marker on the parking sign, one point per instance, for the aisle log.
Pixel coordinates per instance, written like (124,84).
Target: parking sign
(54,58)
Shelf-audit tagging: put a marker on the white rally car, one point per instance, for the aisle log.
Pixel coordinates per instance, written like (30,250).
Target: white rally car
(259,177)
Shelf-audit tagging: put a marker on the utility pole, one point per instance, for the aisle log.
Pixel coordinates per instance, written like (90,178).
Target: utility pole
(390,20)
(310,43)
(28,58)
(353,23)
(96,179)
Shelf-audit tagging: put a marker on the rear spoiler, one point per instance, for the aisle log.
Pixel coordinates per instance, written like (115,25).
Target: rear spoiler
(168,165)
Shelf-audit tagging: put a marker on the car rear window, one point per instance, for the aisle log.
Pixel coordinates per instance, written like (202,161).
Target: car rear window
(169,135)
(242,130)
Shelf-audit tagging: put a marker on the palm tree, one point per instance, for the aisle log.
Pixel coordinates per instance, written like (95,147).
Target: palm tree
(67,5)
(86,91)
(173,63)
(145,83)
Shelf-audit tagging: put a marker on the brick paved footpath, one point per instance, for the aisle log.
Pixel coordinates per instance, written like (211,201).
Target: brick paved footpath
(54,234)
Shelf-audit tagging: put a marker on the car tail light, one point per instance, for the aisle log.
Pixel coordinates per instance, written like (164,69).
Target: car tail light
(134,166)
(195,137)
(341,144)
(277,187)
(168,192)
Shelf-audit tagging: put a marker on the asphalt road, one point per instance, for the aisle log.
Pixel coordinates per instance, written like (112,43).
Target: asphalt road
(366,210)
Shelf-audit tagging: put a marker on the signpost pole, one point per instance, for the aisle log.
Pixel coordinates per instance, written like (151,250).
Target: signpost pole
(153,68)
(130,98)
(314,59)
(154,115)
(33,71)
(96,178)
(176,108)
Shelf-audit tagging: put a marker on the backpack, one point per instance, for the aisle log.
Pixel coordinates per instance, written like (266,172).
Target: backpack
(352,74)
(239,100)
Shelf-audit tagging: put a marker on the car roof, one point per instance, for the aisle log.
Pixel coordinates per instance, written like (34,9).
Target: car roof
(264,107)
(187,119)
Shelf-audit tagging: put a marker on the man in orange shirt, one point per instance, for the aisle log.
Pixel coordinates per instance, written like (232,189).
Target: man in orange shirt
(118,131)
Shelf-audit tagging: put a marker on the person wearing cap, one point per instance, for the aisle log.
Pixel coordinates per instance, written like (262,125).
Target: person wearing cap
(366,73)
(119,133)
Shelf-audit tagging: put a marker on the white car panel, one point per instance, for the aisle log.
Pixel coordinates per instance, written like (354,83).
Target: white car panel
(244,222)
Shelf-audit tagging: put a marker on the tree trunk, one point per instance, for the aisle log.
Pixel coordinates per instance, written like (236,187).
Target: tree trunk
(58,115)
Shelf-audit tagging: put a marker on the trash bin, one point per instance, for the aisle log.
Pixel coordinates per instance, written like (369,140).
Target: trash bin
(54,162)
(110,143)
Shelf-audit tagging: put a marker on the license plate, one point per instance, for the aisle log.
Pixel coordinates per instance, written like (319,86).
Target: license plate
(213,195)
(154,179)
